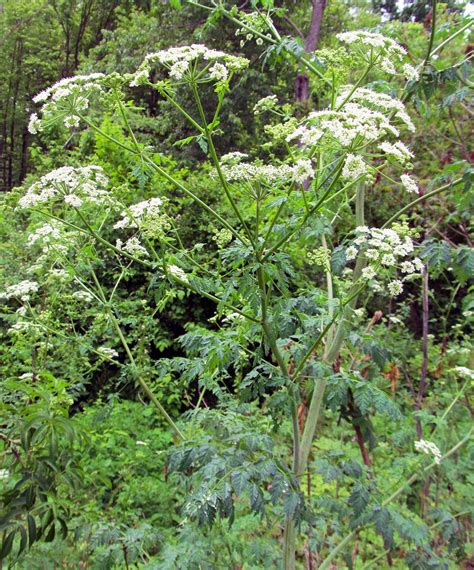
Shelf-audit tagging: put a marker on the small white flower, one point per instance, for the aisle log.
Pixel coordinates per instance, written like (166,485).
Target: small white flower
(407,267)
(83,296)
(218,72)
(73,200)
(351,253)
(410,72)
(26,376)
(409,184)
(388,259)
(302,170)
(354,167)
(107,352)
(34,125)
(395,288)
(398,151)
(419,265)
(178,69)
(140,78)
(429,448)
(368,272)
(4,474)
(178,273)
(467,373)
(71,121)
(132,246)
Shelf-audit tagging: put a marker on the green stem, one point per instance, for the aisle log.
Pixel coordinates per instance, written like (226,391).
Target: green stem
(312,211)
(151,164)
(331,351)
(421,199)
(147,264)
(215,160)
(432,34)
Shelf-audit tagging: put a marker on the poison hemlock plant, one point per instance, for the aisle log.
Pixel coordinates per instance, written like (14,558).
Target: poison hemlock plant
(283,346)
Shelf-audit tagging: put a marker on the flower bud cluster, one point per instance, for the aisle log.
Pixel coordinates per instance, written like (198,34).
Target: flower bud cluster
(253,22)
(319,257)
(148,216)
(222,237)
(266,104)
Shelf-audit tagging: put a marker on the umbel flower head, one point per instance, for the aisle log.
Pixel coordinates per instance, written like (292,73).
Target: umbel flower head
(385,250)
(64,100)
(71,185)
(235,170)
(203,63)
(382,52)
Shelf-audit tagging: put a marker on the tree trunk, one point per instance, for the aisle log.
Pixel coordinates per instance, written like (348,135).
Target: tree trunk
(310,44)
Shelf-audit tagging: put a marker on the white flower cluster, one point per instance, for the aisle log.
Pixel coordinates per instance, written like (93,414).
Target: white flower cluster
(353,122)
(147,215)
(107,352)
(233,157)
(73,185)
(22,290)
(430,449)
(132,246)
(354,167)
(467,373)
(385,248)
(218,65)
(398,151)
(269,173)
(384,52)
(63,99)
(409,184)
(178,273)
(46,233)
(380,101)
(83,296)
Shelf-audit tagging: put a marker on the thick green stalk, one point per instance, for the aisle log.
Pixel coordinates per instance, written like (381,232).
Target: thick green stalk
(331,351)
(289,535)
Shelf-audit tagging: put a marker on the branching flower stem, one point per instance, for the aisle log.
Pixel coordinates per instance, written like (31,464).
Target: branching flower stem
(151,164)
(148,264)
(143,384)
(215,160)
